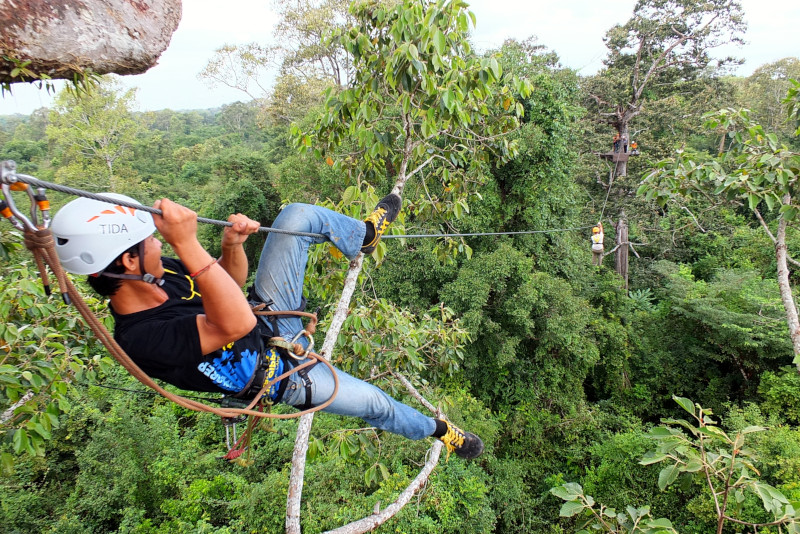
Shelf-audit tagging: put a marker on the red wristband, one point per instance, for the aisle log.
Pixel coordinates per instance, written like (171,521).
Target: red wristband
(201,271)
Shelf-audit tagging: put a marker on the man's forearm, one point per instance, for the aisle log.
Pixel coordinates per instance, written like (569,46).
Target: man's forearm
(234,261)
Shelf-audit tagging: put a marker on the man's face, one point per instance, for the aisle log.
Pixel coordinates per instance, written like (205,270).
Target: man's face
(152,256)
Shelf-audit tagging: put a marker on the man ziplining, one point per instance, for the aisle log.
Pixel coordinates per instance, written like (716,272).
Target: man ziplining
(187,322)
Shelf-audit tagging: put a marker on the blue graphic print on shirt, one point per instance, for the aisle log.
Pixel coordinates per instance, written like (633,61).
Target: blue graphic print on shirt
(229,372)
(232,374)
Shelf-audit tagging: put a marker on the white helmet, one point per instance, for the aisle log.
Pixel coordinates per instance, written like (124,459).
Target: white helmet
(90,234)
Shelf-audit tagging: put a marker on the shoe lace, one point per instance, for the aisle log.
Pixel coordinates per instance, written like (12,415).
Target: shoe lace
(375,216)
(452,439)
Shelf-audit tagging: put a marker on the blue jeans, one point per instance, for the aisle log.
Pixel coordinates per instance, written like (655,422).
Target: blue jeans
(280,277)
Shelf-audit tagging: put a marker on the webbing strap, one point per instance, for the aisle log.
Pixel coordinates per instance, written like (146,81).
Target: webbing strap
(307,385)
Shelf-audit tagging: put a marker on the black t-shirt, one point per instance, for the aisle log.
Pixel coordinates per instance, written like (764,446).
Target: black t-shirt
(165,343)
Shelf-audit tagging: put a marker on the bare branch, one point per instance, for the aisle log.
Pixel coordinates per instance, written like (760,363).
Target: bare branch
(376,519)
(9,413)
(764,225)
(687,210)
(414,393)
(294,496)
(295,493)
(600,101)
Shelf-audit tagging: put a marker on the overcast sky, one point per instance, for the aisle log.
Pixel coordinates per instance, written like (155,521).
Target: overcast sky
(574,29)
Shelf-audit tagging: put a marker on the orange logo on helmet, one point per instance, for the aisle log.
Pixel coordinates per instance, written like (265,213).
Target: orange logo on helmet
(119,209)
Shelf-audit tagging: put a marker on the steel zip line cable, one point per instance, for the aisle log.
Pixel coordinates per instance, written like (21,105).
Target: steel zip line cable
(30,180)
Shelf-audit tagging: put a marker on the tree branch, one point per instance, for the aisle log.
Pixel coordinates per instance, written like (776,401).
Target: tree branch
(764,225)
(9,413)
(294,496)
(295,493)
(416,394)
(376,519)
(687,210)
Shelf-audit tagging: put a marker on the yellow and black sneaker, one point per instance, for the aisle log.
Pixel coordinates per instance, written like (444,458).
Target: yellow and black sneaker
(465,444)
(378,221)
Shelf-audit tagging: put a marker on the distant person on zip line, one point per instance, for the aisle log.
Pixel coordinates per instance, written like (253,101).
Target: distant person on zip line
(597,244)
(187,322)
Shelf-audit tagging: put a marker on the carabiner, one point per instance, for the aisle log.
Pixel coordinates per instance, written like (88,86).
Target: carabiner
(38,200)
(9,181)
(8,214)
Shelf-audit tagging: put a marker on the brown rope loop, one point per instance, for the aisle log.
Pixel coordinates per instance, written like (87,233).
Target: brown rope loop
(313,358)
(40,239)
(40,243)
(311,327)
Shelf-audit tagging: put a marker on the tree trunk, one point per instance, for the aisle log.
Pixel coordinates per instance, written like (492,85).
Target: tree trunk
(621,167)
(65,38)
(786,290)
(294,497)
(621,254)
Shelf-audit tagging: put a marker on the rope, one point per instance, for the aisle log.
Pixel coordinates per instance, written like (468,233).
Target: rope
(608,192)
(30,180)
(42,245)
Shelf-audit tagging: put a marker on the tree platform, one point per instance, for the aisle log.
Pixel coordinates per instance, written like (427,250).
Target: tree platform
(616,156)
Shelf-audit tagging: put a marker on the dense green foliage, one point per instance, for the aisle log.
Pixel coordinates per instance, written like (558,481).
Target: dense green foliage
(519,338)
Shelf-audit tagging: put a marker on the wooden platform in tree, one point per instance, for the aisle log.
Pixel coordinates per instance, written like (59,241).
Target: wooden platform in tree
(616,156)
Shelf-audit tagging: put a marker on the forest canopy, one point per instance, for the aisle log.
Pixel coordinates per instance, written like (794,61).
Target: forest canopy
(656,392)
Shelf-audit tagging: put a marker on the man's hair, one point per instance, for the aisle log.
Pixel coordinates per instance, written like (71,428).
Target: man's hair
(107,286)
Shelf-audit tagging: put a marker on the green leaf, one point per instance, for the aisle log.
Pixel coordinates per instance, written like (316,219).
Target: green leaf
(771,498)
(370,476)
(667,476)
(661,522)
(660,432)
(384,471)
(439,41)
(21,441)
(714,432)
(692,466)
(495,67)
(41,430)
(570,508)
(7,463)
(652,458)
(685,403)
(569,491)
